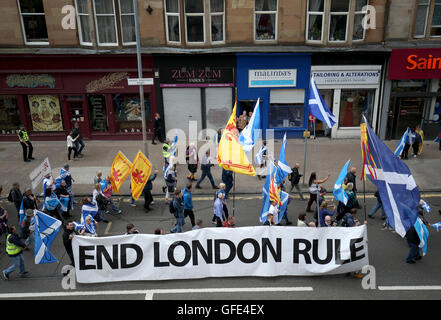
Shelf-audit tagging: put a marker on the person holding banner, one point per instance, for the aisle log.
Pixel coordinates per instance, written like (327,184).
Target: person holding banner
(90,226)
(69,232)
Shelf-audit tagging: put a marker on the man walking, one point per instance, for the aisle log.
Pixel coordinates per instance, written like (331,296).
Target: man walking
(157,128)
(295,179)
(188,204)
(16,196)
(227,178)
(26,144)
(69,232)
(206,165)
(14,249)
(178,205)
(76,133)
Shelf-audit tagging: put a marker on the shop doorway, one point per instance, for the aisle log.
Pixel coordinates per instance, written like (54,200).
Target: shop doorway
(76,114)
(321,129)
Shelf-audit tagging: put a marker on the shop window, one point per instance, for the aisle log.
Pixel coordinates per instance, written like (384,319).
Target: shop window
(338,20)
(354,104)
(315,20)
(217,20)
(128,116)
(45,113)
(287,108)
(97,113)
(127,19)
(428,16)
(194,21)
(84,29)
(9,115)
(105,21)
(265,19)
(33,22)
(172,21)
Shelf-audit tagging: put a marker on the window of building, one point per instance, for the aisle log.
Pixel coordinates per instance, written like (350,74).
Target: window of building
(338,20)
(84,29)
(172,21)
(105,22)
(287,108)
(217,21)
(128,117)
(353,104)
(359,32)
(427,19)
(33,22)
(265,20)
(97,113)
(9,114)
(194,21)
(315,20)
(127,20)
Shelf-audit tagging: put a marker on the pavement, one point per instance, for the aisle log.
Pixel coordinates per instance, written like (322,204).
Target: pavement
(323,155)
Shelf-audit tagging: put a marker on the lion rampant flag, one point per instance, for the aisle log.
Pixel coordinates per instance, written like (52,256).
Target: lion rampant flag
(140,172)
(230,154)
(120,170)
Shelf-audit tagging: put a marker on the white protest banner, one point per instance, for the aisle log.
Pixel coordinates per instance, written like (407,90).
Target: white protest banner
(221,252)
(38,173)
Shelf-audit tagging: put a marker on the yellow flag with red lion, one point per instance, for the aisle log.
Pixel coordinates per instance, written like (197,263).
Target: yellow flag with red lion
(141,170)
(120,170)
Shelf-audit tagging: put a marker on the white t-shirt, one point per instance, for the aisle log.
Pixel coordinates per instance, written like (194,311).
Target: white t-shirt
(275,211)
(70,142)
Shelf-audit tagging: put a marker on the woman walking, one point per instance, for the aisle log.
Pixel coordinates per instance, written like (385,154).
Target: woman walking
(314,188)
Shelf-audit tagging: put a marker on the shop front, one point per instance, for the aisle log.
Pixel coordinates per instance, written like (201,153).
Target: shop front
(415,91)
(281,82)
(49,94)
(351,92)
(198,89)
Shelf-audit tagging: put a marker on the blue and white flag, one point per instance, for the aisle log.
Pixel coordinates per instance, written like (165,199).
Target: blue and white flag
(260,154)
(284,167)
(284,197)
(88,209)
(402,143)
(167,170)
(423,233)
(21,213)
(265,193)
(318,107)
(339,193)
(425,206)
(173,146)
(46,230)
(78,226)
(52,202)
(397,188)
(64,203)
(250,134)
(437,226)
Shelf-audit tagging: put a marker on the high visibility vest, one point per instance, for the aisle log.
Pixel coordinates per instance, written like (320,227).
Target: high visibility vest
(25,135)
(165,148)
(11,248)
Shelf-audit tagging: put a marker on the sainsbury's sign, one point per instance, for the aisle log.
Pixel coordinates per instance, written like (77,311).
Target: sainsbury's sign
(415,64)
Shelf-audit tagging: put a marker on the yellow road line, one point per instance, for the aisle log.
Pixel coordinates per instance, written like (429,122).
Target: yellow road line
(109,224)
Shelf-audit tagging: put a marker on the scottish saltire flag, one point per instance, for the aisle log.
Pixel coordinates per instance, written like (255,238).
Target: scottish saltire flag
(318,107)
(21,213)
(46,230)
(52,202)
(437,226)
(78,226)
(423,233)
(250,134)
(167,170)
(265,193)
(396,185)
(64,204)
(284,197)
(260,154)
(88,209)
(425,206)
(173,146)
(402,143)
(284,168)
(339,193)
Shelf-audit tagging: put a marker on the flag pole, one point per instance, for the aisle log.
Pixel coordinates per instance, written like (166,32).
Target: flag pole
(364,198)
(234,192)
(318,186)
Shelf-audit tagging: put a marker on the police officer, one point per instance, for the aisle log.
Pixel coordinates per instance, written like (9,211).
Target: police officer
(166,151)
(14,249)
(25,144)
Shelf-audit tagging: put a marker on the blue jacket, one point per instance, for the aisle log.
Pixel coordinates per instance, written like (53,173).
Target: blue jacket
(188,200)
(219,209)
(178,204)
(149,185)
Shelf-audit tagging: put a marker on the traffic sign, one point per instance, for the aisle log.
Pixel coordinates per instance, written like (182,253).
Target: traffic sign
(140,82)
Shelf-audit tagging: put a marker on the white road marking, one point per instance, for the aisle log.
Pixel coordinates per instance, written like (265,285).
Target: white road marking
(408,288)
(149,293)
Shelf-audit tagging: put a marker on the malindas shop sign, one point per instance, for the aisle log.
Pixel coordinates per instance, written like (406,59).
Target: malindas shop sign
(407,64)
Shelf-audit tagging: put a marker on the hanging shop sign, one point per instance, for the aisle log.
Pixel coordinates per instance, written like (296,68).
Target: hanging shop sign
(45,113)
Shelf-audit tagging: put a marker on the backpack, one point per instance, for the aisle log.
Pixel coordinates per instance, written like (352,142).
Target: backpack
(171,208)
(10,199)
